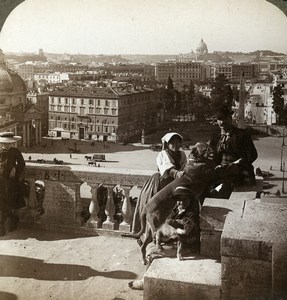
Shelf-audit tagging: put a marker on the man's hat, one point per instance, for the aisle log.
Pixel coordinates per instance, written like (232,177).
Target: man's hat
(9,137)
(223,112)
(181,190)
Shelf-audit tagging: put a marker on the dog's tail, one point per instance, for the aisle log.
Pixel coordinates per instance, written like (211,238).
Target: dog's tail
(138,234)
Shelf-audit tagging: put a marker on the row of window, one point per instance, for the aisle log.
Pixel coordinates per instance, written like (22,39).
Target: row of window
(73,119)
(98,102)
(83,110)
(91,128)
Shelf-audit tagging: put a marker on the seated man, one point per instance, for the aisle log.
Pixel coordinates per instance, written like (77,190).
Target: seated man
(230,145)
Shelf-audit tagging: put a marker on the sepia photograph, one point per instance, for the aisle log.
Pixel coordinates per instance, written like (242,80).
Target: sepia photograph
(143,149)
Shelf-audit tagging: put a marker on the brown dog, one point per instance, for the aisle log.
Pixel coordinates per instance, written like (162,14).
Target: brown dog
(182,225)
(198,174)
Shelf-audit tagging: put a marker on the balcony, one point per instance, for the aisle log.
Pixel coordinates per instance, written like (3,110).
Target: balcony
(243,242)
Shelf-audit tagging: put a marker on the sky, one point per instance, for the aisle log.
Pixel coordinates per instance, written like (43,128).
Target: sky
(143,26)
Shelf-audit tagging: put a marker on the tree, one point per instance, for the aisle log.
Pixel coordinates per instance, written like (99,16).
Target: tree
(201,106)
(169,83)
(278,103)
(221,93)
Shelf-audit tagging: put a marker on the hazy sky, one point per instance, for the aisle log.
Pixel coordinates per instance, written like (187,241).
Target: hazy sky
(144,26)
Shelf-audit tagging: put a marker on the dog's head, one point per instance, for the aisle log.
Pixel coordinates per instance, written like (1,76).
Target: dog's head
(201,152)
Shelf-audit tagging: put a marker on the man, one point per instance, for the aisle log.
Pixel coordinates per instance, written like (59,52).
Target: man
(233,144)
(12,167)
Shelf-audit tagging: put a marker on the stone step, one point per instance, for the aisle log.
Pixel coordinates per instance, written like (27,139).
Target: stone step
(193,278)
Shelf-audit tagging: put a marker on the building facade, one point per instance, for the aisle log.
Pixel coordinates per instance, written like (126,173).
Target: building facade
(184,71)
(16,114)
(107,114)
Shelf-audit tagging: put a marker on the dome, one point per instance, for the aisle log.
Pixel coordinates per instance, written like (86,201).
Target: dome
(5,81)
(10,81)
(202,48)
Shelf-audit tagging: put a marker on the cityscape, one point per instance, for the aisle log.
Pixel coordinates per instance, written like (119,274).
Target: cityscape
(92,94)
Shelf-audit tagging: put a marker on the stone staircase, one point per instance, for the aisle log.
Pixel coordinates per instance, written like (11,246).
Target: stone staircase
(243,253)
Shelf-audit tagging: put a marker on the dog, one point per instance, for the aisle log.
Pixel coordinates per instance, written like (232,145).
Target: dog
(199,172)
(181,225)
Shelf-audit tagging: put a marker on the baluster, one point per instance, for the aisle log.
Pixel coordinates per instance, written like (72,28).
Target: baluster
(110,211)
(126,211)
(94,208)
(32,203)
(79,206)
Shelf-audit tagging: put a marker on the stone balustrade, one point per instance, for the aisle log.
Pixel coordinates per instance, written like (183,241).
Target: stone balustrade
(64,206)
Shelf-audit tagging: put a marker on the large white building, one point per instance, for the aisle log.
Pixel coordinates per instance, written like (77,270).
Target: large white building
(258,108)
(57,77)
(107,114)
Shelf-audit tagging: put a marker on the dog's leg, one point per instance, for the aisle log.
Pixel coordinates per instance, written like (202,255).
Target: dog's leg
(147,240)
(158,236)
(179,248)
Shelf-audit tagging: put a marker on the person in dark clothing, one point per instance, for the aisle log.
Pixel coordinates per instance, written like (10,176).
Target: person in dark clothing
(230,145)
(12,167)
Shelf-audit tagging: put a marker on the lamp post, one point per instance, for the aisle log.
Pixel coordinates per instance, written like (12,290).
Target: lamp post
(283,178)
(283,144)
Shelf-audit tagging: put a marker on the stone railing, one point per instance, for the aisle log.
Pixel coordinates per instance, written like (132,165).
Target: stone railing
(63,205)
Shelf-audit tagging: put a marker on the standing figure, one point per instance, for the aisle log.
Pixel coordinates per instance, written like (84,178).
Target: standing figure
(170,162)
(233,144)
(12,167)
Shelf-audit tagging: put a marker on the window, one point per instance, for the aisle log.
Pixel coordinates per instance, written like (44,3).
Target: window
(107,103)
(66,101)
(52,99)
(114,111)
(82,102)
(91,102)
(73,101)
(91,128)
(59,100)
(99,103)
(73,109)
(106,111)
(91,110)
(82,111)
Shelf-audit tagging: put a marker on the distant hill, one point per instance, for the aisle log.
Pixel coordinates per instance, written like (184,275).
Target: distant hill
(149,58)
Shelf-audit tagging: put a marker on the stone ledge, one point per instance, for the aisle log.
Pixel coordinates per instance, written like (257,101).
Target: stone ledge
(193,278)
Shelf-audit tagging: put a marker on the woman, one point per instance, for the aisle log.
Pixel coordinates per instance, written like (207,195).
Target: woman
(170,162)
(12,167)
(233,144)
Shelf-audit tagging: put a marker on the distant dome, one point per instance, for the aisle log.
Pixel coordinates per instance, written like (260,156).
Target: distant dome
(202,48)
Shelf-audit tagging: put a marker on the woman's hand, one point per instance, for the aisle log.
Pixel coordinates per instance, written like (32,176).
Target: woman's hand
(179,174)
(13,172)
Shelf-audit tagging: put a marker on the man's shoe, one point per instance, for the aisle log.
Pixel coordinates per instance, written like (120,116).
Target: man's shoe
(2,230)
(12,223)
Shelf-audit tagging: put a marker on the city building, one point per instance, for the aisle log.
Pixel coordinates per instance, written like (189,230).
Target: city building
(114,113)
(50,78)
(41,100)
(181,71)
(16,114)
(258,108)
